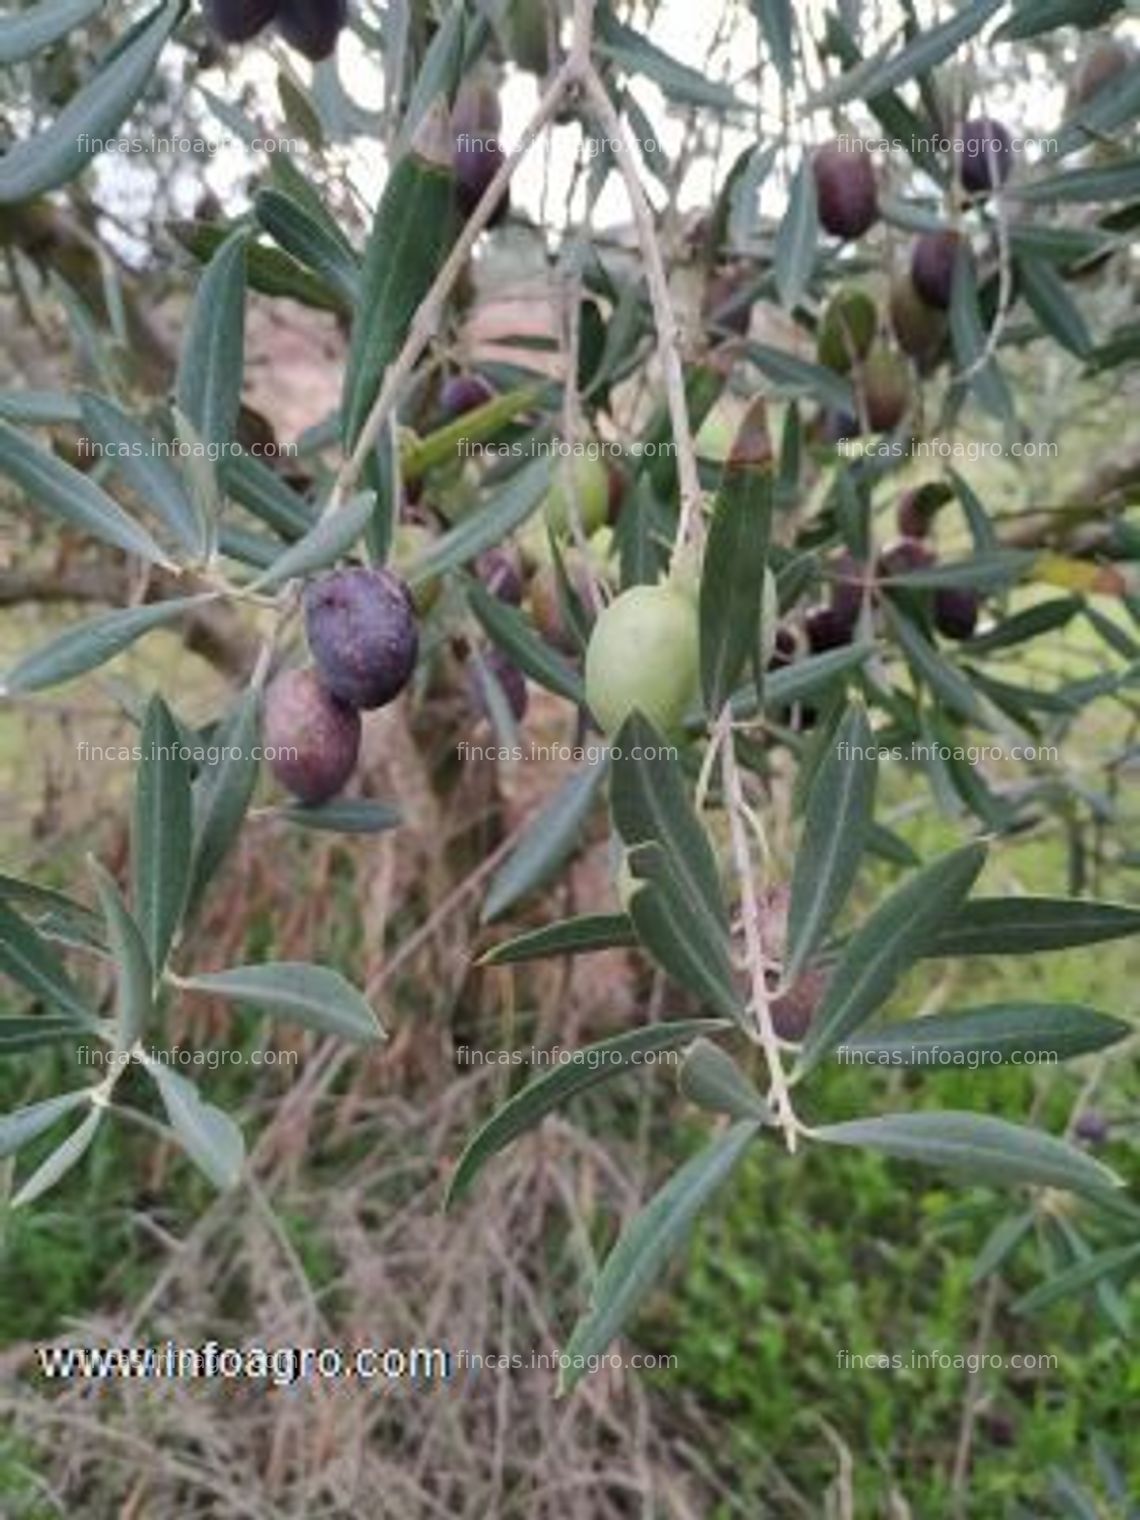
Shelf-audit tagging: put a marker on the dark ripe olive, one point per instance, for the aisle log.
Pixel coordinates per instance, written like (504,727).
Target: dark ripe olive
(932,267)
(238,20)
(845,188)
(312,26)
(362,633)
(313,737)
(987,155)
(956,611)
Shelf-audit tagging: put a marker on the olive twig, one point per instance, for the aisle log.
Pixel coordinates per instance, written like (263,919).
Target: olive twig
(753,936)
(658,283)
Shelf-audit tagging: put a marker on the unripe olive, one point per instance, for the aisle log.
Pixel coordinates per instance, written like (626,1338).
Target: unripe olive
(312,26)
(845,189)
(644,654)
(362,633)
(313,737)
(886,389)
(932,266)
(526,35)
(411,541)
(546,605)
(238,20)
(579,480)
(919,327)
(956,611)
(986,155)
(847,329)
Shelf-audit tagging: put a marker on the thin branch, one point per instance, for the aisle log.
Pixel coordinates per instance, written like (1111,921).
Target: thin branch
(658,282)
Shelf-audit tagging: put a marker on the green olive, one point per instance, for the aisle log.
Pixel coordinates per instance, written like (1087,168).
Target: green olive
(644,654)
(580,480)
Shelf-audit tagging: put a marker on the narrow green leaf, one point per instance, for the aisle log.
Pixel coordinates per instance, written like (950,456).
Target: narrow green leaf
(29,31)
(711,1079)
(884,946)
(325,543)
(1111,182)
(970,342)
(592,1065)
(513,632)
(689,945)
(981,1148)
(35,965)
(91,644)
(945,680)
(346,815)
(71,496)
(548,842)
(573,936)
(25,1124)
(1030,925)
(55,915)
(261,491)
(775,18)
(134,985)
(1085,1274)
(488,526)
(1054,307)
(633,52)
(309,995)
(413,230)
(308,240)
(209,1137)
(796,238)
(838,816)
(163,832)
(222,792)
(996,1033)
(886,69)
(134,454)
(647,1244)
(732,572)
(1003,1240)
(51,157)
(212,364)
(23,1034)
(66,1155)
(801,376)
(982,572)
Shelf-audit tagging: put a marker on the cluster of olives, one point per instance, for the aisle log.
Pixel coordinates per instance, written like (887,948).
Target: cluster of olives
(310,26)
(362,634)
(847,196)
(954,609)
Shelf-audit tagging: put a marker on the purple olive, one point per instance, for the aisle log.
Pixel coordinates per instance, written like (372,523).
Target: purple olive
(312,26)
(845,189)
(956,611)
(312,736)
(238,20)
(986,155)
(499,572)
(362,632)
(849,577)
(903,556)
(477,161)
(932,263)
(783,650)
(1091,1126)
(509,679)
(825,630)
(461,394)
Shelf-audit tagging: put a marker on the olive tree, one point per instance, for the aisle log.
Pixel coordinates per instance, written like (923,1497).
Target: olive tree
(746,629)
